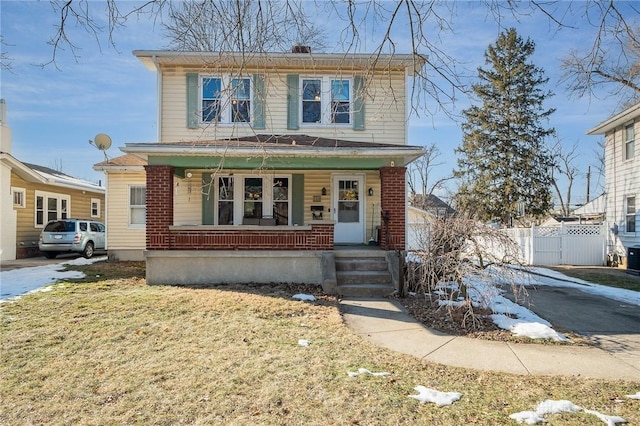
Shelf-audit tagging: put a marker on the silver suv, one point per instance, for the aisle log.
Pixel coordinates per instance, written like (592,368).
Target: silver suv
(72,235)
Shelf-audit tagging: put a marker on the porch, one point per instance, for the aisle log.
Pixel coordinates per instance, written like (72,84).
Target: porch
(354,270)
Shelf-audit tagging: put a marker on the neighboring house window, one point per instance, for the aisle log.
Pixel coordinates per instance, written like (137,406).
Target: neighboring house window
(629,142)
(137,206)
(19,197)
(631,215)
(326,101)
(226,100)
(50,206)
(95,207)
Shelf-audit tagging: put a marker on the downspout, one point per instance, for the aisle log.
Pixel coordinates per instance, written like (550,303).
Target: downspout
(159,97)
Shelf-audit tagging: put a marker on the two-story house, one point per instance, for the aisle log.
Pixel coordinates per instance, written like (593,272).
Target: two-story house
(622,178)
(265,164)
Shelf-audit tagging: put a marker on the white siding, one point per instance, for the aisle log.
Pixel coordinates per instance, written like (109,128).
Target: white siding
(385,118)
(622,181)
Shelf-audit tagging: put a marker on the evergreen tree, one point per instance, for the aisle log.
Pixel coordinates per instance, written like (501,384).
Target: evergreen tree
(504,163)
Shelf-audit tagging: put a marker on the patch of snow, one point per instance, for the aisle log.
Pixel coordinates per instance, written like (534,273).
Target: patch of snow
(636,396)
(304,297)
(303,342)
(365,371)
(431,395)
(533,330)
(550,406)
(17,282)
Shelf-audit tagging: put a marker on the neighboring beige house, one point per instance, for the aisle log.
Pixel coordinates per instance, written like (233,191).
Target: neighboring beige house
(622,178)
(265,164)
(32,195)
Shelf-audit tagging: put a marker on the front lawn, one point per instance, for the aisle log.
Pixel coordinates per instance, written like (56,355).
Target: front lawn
(112,350)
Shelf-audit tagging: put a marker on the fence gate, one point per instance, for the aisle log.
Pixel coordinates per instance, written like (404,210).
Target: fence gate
(562,244)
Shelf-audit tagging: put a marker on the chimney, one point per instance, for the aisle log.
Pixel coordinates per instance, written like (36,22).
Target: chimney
(5,130)
(298,48)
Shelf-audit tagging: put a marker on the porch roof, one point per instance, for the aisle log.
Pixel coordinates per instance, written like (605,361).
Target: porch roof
(275,151)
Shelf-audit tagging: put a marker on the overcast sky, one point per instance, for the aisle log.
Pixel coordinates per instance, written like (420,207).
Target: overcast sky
(56,109)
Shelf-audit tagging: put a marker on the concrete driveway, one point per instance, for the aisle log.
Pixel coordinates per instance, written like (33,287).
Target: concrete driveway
(610,324)
(29,262)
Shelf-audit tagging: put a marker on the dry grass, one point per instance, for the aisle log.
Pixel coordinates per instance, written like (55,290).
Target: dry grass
(116,351)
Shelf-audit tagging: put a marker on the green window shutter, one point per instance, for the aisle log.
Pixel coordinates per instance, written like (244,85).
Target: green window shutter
(292,101)
(297,199)
(358,103)
(192,100)
(259,96)
(208,213)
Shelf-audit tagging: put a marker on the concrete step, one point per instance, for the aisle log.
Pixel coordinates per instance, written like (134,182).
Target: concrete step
(365,290)
(360,264)
(363,277)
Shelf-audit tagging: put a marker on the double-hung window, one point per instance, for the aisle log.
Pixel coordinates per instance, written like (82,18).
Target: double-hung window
(630,217)
(137,206)
(225,100)
(629,142)
(95,207)
(326,100)
(19,197)
(50,206)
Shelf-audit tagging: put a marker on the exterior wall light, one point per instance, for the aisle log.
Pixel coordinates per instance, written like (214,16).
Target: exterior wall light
(370,192)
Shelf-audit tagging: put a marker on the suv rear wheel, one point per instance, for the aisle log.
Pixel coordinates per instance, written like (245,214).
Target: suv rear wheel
(88,250)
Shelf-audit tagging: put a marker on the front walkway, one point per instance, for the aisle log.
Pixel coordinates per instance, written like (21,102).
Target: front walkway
(386,323)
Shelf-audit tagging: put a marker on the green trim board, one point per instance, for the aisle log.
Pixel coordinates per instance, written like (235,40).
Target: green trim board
(272,162)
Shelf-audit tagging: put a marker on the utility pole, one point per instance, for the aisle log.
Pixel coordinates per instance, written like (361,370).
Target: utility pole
(588,181)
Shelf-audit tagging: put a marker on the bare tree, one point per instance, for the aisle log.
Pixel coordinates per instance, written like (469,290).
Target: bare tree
(437,86)
(564,165)
(420,173)
(241,26)
(612,59)
(458,255)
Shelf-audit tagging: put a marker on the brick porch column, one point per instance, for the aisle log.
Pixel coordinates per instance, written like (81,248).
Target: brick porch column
(159,206)
(393,204)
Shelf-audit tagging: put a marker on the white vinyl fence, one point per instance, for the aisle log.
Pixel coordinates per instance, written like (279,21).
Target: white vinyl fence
(562,244)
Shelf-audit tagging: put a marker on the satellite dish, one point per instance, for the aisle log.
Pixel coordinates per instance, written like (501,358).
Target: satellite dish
(102,141)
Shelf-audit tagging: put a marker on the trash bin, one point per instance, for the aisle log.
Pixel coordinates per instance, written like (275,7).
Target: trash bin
(633,258)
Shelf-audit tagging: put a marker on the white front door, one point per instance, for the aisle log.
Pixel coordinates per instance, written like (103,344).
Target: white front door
(348,209)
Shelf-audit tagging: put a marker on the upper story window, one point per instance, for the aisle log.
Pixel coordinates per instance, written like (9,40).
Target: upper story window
(225,100)
(629,142)
(326,100)
(630,217)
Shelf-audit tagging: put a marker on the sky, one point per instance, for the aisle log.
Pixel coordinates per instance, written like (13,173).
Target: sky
(56,109)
